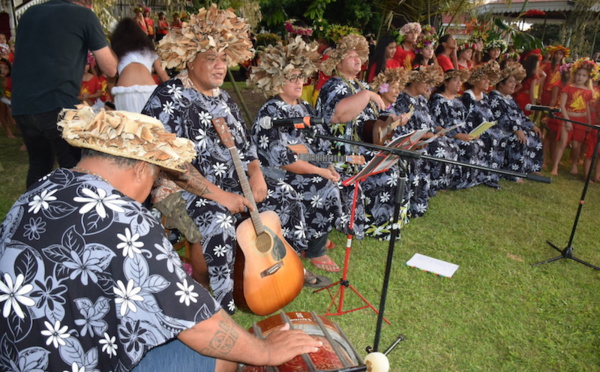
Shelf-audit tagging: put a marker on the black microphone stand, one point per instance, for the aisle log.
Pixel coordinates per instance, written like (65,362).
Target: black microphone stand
(402,177)
(567,252)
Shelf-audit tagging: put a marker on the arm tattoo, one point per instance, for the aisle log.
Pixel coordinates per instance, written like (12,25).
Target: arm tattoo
(193,182)
(223,341)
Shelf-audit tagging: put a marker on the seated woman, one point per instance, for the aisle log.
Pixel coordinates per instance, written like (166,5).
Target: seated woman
(447,110)
(479,110)
(280,74)
(377,190)
(524,147)
(137,58)
(427,176)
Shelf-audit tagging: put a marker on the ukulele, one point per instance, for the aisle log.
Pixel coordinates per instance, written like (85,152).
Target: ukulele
(301,152)
(380,130)
(268,274)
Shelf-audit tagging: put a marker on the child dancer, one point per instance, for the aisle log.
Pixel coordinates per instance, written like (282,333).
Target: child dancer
(575,99)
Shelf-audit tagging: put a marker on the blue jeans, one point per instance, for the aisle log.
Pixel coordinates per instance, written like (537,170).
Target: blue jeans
(175,356)
(45,144)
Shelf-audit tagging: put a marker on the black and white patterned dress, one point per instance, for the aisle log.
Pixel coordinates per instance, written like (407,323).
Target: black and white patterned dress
(321,197)
(188,113)
(447,113)
(520,157)
(494,139)
(374,208)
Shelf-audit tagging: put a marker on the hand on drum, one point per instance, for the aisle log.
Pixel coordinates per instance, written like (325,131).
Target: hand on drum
(284,344)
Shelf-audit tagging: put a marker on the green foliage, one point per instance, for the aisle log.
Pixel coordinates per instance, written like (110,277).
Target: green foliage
(265,39)
(521,40)
(316,10)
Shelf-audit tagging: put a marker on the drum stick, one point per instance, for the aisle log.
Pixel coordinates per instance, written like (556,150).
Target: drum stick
(334,345)
(305,357)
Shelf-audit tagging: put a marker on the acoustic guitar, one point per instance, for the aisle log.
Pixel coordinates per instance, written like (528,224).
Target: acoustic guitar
(302,154)
(380,130)
(268,274)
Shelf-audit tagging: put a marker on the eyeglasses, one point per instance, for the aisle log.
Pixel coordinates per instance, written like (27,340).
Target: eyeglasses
(295,78)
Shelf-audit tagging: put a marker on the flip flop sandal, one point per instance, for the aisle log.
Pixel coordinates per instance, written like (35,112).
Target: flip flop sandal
(328,265)
(315,281)
(329,245)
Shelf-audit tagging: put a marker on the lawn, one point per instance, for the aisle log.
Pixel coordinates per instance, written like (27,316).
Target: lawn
(498,312)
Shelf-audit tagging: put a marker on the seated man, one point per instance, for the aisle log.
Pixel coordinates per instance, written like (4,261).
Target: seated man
(187,105)
(89,281)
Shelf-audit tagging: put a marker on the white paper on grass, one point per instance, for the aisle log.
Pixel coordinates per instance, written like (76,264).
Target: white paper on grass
(433,265)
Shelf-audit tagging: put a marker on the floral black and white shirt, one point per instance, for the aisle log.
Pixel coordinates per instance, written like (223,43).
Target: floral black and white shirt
(88,280)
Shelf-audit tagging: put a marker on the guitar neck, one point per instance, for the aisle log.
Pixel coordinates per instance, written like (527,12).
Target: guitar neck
(319,157)
(239,168)
(227,138)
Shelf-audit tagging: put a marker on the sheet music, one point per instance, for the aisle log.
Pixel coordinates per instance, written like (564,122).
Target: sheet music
(482,128)
(443,131)
(383,160)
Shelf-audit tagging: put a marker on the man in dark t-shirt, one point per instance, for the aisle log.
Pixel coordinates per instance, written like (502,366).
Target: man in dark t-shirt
(53,40)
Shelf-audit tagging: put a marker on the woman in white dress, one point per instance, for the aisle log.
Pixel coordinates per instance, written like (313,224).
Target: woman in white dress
(137,59)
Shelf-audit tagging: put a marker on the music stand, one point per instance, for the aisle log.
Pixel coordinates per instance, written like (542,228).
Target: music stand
(403,153)
(381,162)
(568,251)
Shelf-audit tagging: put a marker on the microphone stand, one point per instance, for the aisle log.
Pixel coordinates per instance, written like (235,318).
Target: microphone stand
(402,177)
(567,252)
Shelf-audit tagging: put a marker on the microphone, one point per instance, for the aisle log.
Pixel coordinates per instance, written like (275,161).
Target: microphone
(530,107)
(301,122)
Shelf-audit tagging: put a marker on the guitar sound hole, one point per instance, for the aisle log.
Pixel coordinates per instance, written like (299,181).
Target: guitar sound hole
(263,242)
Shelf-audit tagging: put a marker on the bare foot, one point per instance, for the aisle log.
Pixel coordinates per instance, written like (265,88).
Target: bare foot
(23,148)
(519,180)
(554,172)
(574,171)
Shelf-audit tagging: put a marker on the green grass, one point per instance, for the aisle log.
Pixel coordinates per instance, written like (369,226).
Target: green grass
(497,313)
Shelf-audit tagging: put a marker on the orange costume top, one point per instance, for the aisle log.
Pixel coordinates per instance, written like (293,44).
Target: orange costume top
(404,57)
(577,98)
(445,62)
(552,80)
(91,86)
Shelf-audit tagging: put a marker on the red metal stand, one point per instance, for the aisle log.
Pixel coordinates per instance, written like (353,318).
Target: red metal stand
(344,282)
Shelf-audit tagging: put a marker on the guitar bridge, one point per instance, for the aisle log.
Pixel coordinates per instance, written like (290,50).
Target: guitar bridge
(272,270)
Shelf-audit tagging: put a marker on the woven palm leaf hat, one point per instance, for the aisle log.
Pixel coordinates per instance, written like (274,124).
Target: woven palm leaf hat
(210,29)
(431,75)
(126,134)
(489,69)
(275,63)
(343,46)
(452,73)
(510,69)
(382,81)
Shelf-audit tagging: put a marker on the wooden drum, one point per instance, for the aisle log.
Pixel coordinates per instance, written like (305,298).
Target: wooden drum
(336,354)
